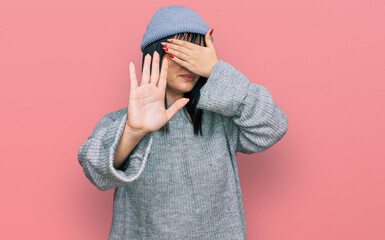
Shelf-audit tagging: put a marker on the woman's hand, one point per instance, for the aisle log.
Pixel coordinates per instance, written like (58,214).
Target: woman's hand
(146,111)
(198,59)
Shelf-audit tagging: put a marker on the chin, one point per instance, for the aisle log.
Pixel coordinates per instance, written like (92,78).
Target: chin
(185,90)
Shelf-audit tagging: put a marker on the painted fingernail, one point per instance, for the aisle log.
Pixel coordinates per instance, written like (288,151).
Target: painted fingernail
(163,43)
(171,56)
(164,48)
(212,30)
(169,40)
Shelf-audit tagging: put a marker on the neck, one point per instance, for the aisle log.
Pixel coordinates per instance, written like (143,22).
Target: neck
(172,97)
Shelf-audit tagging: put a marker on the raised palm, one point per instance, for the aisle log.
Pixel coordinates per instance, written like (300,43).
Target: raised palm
(146,111)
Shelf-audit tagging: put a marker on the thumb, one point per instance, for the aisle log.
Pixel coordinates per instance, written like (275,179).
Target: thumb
(209,41)
(175,107)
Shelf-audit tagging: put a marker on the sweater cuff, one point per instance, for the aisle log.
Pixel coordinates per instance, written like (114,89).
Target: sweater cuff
(224,90)
(97,154)
(136,160)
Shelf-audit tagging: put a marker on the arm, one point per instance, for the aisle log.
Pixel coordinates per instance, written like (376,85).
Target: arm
(96,155)
(253,121)
(127,143)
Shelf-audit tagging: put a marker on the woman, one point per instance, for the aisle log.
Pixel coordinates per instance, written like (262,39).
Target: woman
(181,182)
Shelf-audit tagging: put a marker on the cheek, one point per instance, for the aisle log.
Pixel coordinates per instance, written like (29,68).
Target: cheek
(172,64)
(173,69)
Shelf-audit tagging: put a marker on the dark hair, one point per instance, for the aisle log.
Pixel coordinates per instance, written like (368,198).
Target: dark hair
(190,108)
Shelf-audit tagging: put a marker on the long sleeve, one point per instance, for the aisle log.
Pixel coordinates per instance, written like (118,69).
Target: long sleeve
(96,155)
(253,121)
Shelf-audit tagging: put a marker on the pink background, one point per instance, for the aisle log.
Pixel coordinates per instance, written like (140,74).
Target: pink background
(64,64)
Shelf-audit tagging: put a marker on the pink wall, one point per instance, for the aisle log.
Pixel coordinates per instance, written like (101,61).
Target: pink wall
(64,64)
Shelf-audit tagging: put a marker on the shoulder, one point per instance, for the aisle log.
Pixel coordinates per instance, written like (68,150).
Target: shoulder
(117,114)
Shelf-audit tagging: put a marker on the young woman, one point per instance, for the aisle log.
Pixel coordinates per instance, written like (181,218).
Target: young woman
(170,154)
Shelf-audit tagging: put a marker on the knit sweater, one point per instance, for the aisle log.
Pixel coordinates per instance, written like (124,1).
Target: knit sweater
(178,185)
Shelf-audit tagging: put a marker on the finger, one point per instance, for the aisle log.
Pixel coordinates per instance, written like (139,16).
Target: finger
(163,75)
(209,41)
(175,107)
(133,80)
(177,53)
(146,70)
(181,42)
(179,48)
(155,69)
(180,62)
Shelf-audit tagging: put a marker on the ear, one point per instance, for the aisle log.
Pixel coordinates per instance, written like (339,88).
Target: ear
(209,41)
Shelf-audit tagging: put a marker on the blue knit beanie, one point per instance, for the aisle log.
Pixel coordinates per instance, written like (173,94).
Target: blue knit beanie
(171,20)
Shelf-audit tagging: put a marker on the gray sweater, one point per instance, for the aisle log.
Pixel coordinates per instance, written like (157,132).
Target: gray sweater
(179,185)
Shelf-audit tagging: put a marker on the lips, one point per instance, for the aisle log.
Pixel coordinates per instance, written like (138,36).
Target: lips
(188,75)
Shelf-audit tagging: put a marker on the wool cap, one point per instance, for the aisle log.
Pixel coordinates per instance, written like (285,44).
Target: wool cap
(171,20)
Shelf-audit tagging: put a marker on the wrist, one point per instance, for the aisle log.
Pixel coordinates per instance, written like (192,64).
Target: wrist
(135,132)
(211,69)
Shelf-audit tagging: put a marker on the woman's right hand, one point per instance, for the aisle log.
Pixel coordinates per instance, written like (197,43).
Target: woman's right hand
(146,111)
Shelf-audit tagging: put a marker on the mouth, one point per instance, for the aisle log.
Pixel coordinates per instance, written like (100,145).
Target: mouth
(188,77)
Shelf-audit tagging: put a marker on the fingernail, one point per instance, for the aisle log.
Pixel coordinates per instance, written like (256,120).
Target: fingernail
(163,43)
(212,30)
(171,56)
(164,48)
(169,40)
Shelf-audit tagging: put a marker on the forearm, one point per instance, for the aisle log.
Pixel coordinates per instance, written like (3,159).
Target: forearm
(127,143)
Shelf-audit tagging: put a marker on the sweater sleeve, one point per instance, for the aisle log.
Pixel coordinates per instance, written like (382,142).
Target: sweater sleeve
(253,121)
(97,153)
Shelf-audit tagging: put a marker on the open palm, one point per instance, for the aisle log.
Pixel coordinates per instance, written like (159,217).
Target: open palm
(146,111)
